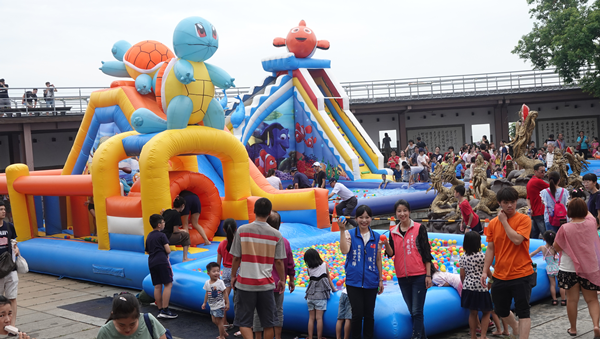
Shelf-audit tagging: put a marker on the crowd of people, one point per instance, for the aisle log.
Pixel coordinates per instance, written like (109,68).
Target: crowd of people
(257,262)
(416,161)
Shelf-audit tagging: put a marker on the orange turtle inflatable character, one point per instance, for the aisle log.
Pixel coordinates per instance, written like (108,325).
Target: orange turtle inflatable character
(301,41)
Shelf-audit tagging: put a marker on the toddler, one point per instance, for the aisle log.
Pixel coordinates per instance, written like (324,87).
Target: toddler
(217,298)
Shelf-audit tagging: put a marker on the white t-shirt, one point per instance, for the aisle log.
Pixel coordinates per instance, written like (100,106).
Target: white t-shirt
(549,159)
(566,264)
(342,192)
(215,291)
(422,159)
(274,181)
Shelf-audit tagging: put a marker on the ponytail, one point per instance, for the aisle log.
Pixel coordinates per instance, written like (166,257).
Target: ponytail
(230,227)
(553,178)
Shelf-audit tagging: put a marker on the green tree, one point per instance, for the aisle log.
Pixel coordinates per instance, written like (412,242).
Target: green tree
(565,35)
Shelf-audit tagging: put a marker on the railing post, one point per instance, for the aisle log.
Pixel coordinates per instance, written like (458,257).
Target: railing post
(80,105)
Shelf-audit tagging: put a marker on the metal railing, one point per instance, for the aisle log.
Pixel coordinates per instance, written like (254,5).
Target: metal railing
(76,98)
(358,91)
(455,86)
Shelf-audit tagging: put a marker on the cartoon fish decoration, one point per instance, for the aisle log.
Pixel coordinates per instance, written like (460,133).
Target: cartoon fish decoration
(301,41)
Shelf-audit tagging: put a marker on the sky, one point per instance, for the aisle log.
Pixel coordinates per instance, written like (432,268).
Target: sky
(64,41)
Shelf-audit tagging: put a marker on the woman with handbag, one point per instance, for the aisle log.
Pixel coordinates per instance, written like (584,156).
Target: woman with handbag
(579,268)
(582,144)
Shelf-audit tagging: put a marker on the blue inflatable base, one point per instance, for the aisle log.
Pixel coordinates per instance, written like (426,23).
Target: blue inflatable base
(442,305)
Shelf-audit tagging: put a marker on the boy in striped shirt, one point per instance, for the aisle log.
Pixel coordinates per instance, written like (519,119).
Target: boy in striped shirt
(255,249)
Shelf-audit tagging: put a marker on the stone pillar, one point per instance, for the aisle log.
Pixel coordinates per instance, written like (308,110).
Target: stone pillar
(28,146)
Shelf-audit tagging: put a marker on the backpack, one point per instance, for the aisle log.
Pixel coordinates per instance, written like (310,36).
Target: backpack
(560,211)
(151,329)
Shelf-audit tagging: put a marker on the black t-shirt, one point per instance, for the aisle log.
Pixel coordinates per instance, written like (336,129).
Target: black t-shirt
(7,232)
(438,157)
(172,220)
(421,144)
(30,97)
(155,246)
(4,91)
(319,178)
(594,204)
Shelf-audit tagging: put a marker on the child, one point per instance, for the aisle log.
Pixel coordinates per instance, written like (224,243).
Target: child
(397,173)
(126,320)
(384,182)
(157,246)
(230,227)
(317,291)
(469,218)
(344,316)
(551,259)
(474,296)
(6,316)
(446,279)
(406,174)
(217,297)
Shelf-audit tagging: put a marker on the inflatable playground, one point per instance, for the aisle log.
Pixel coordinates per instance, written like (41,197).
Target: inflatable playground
(168,123)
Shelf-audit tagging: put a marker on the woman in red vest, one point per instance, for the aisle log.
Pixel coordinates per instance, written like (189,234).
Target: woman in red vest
(409,243)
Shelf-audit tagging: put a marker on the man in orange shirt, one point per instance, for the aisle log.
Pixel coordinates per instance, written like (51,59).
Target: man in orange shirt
(508,241)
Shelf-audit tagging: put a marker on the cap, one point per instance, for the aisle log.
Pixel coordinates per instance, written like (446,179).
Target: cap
(333,179)
(421,150)
(294,169)
(316,163)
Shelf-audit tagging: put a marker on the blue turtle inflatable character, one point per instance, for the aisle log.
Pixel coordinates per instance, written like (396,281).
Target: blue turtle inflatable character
(185,86)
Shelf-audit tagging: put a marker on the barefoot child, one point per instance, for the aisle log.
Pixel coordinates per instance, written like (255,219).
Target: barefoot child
(317,292)
(217,297)
(344,317)
(175,234)
(157,246)
(474,296)
(551,259)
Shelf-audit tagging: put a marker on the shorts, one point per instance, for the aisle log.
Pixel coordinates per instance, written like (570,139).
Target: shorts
(344,309)
(318,305)
(218,313)
(192,203)
(567,280)
(503,292)
(226,276)
(257,326)
(180,238)
(161,274)
(9,285)
(477,228)
(245,302)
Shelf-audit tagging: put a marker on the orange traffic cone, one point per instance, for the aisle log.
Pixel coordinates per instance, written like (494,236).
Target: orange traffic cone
(334,220)
(392,222)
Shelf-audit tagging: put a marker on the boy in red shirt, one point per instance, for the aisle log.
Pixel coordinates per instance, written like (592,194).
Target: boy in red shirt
(469,217)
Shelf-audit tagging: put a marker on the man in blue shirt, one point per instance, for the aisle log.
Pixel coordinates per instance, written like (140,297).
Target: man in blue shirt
(300,179)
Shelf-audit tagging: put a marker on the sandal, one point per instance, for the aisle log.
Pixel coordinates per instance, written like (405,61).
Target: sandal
(554,302)
(563,303)
(228,326)
(237,334)
(571,333)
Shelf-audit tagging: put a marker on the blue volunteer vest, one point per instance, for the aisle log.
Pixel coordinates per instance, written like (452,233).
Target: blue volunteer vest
(361,261)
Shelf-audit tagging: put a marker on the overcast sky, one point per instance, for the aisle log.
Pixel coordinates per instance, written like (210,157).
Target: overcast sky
(64,41)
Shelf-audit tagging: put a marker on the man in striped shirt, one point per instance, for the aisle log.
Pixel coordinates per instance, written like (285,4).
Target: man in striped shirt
(255,249)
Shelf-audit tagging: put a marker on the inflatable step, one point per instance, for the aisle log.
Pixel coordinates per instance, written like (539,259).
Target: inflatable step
(365,172)
(361,165)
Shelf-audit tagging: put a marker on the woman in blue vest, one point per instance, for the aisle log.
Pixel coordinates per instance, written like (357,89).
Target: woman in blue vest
(363,271)
(409,244)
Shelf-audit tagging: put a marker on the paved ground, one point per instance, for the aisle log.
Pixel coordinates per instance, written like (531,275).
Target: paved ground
(41,296)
